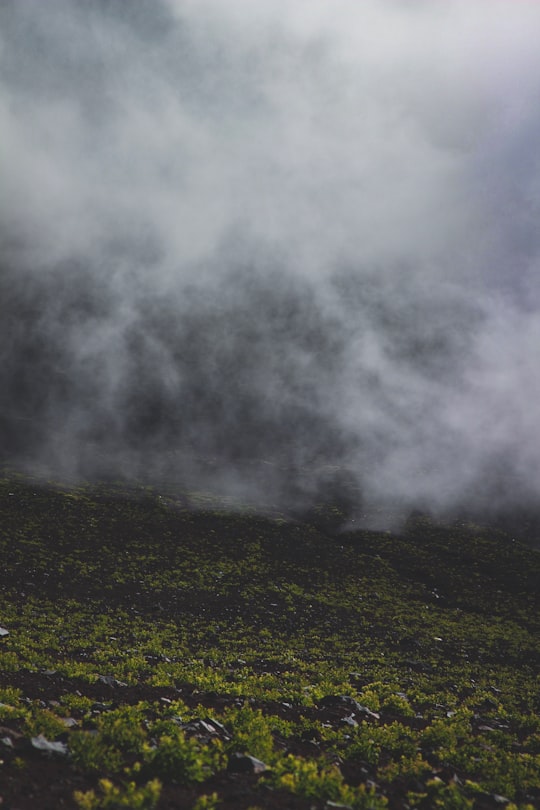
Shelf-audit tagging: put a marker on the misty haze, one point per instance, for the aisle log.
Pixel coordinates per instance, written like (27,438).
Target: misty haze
(274,249)
(269,404)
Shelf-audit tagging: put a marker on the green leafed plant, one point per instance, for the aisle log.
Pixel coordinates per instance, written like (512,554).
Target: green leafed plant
(113,797)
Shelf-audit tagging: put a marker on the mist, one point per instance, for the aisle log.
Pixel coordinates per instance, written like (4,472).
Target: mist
(261,247)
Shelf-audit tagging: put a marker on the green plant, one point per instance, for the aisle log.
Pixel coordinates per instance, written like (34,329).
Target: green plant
(310,779)
(41,721)
(91,753)
(396,704)
(442,796)
(182,759)
(208,801)
(251,732)
(113,797)
(122,728)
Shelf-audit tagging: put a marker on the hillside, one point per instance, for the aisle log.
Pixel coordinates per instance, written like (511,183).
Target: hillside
(160,650)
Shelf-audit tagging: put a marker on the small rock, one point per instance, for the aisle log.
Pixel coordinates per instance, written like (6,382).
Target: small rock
(3,632)
(244,763)
(43,744)
(418,666)
(206,728)
(364,711)
(100,707)
(109,680)
(349,703)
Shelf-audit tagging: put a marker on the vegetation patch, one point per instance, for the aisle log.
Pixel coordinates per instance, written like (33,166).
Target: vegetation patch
(160,651)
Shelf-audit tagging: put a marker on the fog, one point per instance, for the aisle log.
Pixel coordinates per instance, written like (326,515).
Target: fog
(261,247)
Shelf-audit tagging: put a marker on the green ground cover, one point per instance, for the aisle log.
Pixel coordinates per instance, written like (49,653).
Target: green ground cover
(153,647)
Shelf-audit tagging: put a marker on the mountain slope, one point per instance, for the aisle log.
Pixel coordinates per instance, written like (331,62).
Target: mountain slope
(157,640)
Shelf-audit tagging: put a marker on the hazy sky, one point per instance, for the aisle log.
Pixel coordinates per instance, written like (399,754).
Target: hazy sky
(302,233)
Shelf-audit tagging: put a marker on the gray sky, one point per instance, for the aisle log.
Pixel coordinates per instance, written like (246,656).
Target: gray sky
(305,233)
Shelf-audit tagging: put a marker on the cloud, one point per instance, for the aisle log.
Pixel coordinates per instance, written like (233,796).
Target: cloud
(299,234)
